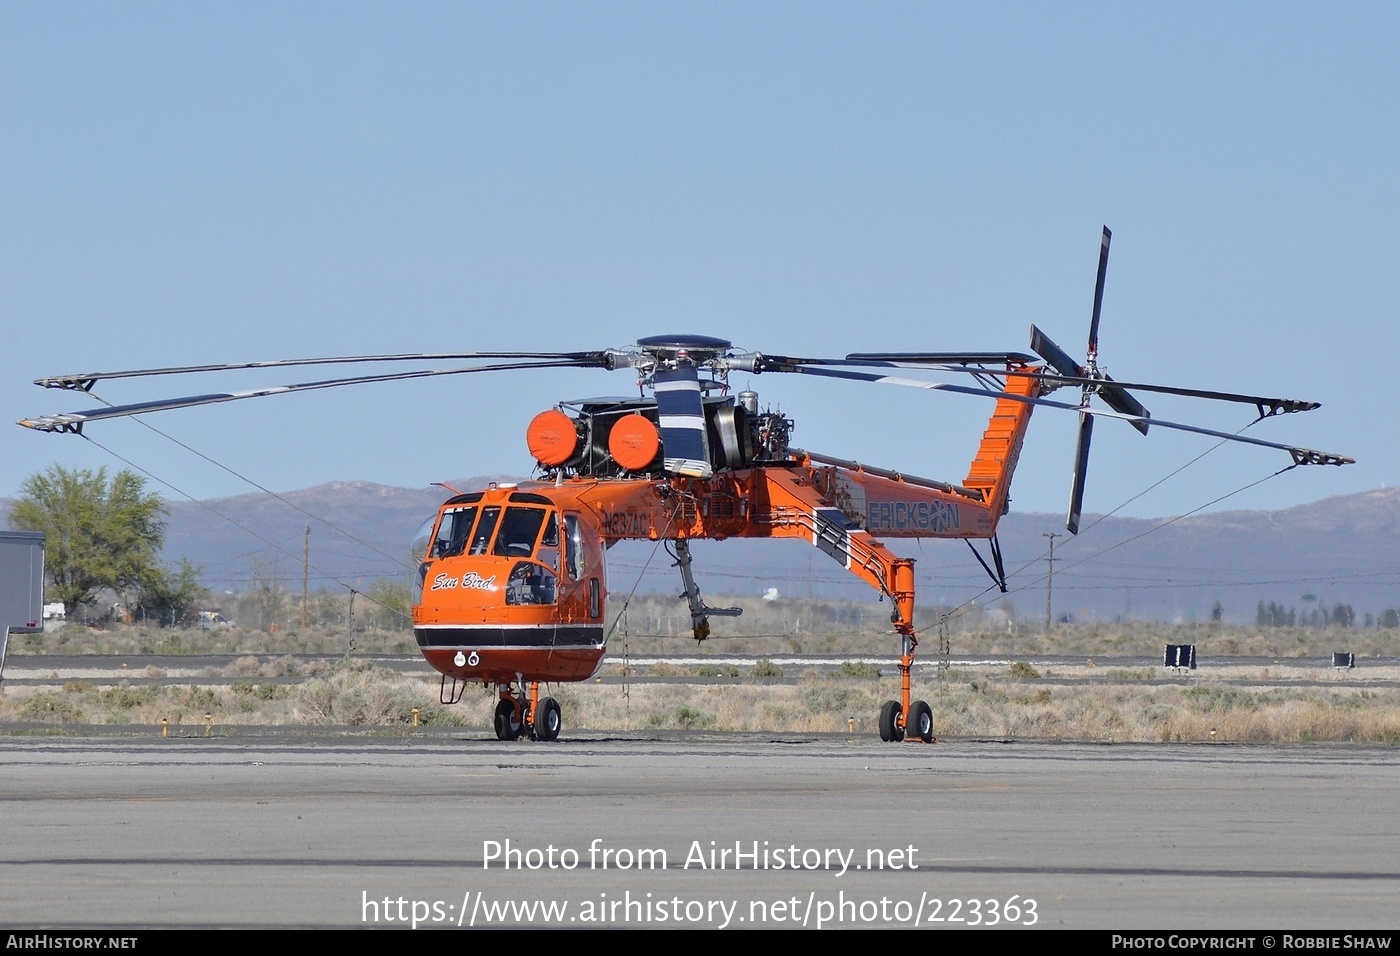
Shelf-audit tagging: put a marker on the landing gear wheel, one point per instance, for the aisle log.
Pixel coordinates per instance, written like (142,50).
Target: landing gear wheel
(507,725)
(889,721)
(920,722)
(548,719)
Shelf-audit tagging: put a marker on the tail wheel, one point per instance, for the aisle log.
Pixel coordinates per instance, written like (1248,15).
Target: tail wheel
(508,726)
(889,721)
(549,719)
(920,722)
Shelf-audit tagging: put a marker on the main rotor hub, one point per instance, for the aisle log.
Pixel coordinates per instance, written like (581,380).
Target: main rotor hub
(698,348)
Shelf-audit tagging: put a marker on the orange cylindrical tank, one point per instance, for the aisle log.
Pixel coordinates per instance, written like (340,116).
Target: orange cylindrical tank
(552,438)
(634,442)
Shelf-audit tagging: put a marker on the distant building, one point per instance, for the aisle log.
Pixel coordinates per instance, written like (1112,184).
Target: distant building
(21,586)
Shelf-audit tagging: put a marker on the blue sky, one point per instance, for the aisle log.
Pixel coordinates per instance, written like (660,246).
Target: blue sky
(188,183)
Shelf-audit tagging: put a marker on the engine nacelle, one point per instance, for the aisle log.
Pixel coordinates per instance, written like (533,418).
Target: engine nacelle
(621,438)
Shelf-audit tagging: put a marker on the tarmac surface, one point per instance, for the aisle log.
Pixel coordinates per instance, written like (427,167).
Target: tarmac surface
(266,828)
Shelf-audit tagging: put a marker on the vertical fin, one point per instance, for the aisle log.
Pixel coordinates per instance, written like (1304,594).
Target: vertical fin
(991,469)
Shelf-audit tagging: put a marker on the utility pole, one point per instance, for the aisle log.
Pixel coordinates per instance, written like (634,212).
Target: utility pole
(1050,576)
(305,567)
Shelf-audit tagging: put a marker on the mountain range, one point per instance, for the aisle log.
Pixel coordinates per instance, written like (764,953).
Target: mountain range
(1343,550)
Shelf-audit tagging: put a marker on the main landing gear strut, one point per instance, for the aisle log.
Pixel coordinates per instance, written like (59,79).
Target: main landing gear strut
(519,713)
(902,719)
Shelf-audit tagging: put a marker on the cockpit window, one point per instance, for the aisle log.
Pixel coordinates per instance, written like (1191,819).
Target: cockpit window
(573,546)
(451,538)
(549,543)
(519,530)
(531,583)
(418,549)
(482,539)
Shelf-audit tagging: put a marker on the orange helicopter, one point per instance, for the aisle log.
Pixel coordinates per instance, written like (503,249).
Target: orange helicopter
(511,585)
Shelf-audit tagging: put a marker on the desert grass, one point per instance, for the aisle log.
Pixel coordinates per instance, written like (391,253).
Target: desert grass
(1293,697)
(1264,705)
(766,629)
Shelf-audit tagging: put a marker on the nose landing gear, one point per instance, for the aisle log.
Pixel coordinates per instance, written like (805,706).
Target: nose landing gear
(519,713)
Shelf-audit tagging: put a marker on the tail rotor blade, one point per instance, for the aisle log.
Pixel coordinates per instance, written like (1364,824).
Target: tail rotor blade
(1058,358)
(1098,294)
(1081,467)
(1120,400)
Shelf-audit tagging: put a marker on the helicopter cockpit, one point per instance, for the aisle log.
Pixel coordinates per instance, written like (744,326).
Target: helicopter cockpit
(526,528)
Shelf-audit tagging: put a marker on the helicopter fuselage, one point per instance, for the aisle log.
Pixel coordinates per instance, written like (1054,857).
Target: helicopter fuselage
(512,582)
(512,585)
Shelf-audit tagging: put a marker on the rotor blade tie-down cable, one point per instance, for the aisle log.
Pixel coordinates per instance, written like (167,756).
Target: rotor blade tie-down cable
(194,451)
(957,611)
(1175,519)
(1167,477)
(638,582)
(214,511)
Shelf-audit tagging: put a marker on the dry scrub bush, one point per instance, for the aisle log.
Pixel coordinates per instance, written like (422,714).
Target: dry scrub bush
(49,708)
(1110,707)
(359,695)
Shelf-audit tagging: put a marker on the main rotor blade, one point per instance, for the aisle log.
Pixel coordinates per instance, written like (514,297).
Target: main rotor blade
(85,380)
(1098,294)
(1081,468)
(939,358)
(1301,456)
(1268,407)
(74,421)
(765,362)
